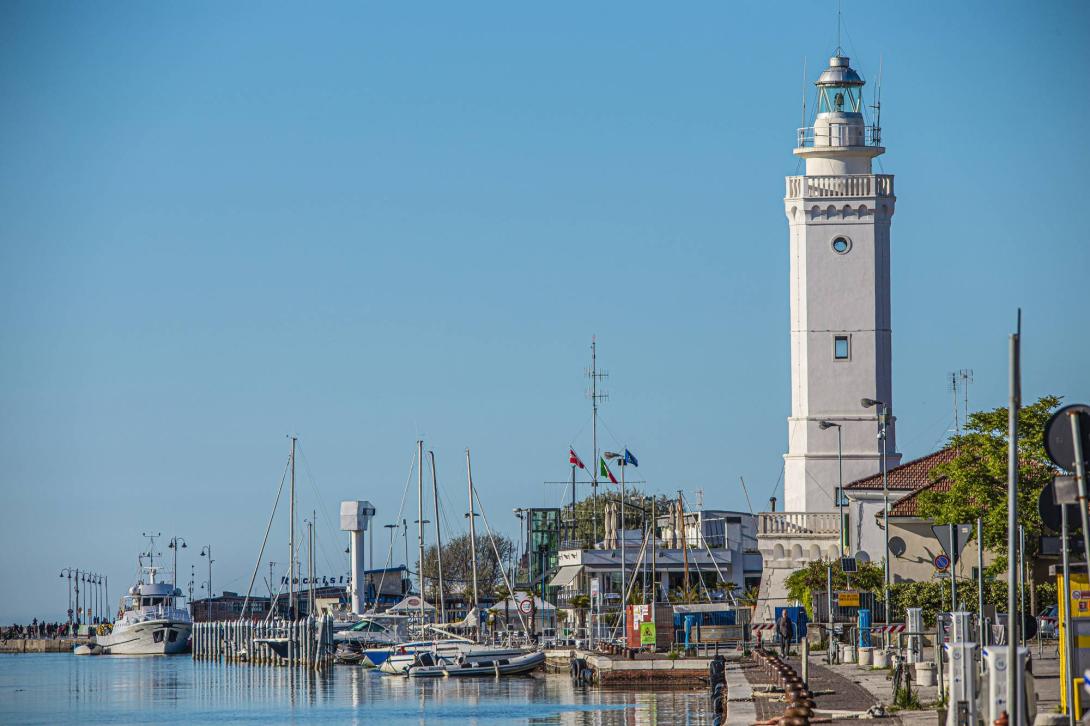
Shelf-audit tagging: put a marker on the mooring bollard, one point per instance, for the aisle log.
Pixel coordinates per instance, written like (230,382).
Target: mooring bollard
(717,681)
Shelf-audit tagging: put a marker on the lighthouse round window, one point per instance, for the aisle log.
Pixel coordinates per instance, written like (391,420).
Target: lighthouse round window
(841,245)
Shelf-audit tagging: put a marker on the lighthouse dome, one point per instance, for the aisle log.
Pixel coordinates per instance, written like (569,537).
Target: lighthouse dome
(839,73)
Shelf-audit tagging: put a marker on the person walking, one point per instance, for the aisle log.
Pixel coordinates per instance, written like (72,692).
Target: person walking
(783,632)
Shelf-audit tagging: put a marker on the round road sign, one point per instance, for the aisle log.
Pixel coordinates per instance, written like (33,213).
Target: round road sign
(942,562)
(525,606)
(1059,443)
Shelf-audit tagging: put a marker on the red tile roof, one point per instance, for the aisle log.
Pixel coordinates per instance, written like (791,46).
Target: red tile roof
(910,476)
(909,506)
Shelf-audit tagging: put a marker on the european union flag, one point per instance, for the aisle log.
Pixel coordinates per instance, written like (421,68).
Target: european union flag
(630,459)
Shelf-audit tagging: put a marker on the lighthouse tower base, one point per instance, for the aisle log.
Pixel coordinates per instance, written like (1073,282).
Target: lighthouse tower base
(789,541)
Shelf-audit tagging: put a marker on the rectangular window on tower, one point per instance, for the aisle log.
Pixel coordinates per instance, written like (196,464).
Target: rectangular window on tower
(841,347)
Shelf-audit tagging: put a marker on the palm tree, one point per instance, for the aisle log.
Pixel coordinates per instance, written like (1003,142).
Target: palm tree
(580,603)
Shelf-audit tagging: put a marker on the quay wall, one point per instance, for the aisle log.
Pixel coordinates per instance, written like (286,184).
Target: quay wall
(39,645)
(619,671)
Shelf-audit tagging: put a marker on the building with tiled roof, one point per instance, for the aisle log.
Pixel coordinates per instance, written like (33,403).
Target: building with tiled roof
(911,475)
(866,500)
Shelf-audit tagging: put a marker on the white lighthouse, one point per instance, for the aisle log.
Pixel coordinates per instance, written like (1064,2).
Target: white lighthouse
(839,214)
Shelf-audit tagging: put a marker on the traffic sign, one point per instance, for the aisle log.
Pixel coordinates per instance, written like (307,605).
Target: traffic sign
(847,599)
(942,562)
(1059,442)
(526,606)
(962,532)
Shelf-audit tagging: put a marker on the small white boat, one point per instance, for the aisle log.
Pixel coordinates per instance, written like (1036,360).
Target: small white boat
(431,666)
(403,657)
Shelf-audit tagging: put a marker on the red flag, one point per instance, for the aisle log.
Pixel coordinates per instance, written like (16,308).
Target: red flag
(573,458)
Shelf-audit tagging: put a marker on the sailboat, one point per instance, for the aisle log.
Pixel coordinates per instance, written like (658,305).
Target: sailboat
(400,659)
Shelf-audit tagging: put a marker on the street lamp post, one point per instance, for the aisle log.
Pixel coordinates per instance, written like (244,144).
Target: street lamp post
(206,551)
(523,543)
(393,528)
(67,572)
(840,487)
(883,422)
(175,543)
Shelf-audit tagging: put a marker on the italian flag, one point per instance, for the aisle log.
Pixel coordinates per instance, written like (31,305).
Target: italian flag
(604,471)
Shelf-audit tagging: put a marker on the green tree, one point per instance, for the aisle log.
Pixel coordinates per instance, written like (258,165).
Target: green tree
(814,577)
(458,566)
(978,476)
(589,514)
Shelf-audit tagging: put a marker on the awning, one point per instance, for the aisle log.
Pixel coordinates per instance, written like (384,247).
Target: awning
(565,576)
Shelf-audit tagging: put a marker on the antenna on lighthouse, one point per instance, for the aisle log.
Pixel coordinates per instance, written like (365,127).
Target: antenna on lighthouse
(878,106)
(803,126)
(838,24)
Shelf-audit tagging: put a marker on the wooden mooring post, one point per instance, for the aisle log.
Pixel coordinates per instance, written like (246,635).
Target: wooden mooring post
(306,643)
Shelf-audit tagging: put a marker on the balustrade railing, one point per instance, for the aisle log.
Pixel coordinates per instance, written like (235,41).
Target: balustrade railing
(801,523)
(840,186)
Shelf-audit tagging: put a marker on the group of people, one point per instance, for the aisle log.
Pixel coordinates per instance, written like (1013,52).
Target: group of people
(36,630)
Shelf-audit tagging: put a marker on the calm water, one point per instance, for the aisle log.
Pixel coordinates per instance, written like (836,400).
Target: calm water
(60,688)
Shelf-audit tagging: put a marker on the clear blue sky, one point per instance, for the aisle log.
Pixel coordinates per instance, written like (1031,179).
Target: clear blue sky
(368,223)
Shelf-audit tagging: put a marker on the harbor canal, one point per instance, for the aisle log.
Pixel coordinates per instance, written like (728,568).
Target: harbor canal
(52,688)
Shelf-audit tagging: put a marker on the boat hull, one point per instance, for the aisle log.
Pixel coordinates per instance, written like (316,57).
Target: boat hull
(400,663)
(513,666)
(151,637)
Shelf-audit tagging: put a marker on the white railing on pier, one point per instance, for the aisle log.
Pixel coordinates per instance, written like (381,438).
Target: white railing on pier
(799,523)
(840,186)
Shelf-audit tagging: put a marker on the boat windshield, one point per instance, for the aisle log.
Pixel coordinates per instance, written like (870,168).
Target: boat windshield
(368,626)
(154,601)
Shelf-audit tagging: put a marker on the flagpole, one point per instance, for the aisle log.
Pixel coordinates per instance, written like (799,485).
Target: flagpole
(624,564)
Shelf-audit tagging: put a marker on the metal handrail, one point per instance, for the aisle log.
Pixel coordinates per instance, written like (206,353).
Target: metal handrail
(807,135)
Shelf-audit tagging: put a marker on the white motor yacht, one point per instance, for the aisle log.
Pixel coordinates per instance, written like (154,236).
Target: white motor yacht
(149,622)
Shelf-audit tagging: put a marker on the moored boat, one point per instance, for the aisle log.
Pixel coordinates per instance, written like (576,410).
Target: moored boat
(149,623)
(429,665)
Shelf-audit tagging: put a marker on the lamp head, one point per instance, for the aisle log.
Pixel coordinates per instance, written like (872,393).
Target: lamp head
(827,425)
(869,402)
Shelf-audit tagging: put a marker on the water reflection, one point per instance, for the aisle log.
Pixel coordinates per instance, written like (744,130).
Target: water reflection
(55,688)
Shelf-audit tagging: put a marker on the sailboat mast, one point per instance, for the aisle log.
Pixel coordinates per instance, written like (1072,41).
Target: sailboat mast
(438,540)
(310,558)
(291,539)
(472,529)
(420,523)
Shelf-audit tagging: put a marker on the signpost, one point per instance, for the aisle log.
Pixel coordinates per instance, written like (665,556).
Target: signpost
(1067,442)
(847,599)
(647,634)
(953,538)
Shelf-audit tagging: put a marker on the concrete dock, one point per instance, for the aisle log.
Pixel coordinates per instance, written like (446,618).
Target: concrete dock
(40,645)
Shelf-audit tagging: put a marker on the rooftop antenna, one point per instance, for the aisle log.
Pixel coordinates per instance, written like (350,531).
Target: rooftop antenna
(966,375)
(954,391)
(595,397)
(699,499)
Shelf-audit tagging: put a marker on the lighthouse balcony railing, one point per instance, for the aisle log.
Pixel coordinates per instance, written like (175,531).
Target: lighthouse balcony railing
(840,186)
(798,523)
(838,135)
